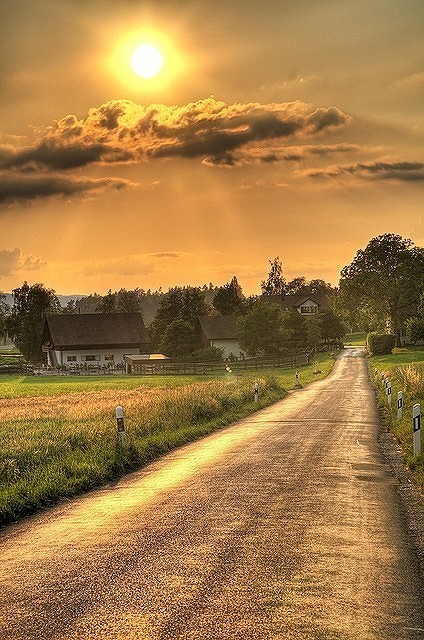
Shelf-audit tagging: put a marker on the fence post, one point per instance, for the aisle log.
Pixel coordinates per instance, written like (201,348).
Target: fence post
(119,412)
(256,395)
(416,418)
(399,404)
(389,392)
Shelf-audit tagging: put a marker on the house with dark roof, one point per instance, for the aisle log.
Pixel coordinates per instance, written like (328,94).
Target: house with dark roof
(306,304)
(93,339)
(220,332)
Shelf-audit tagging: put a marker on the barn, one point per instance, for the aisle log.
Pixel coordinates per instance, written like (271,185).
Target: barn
(93,339)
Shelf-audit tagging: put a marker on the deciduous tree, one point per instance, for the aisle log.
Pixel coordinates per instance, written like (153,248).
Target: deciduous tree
(26,319)
(275,283)
(180,303)
(179,340)
(229,298)
(264,330)
(387,277)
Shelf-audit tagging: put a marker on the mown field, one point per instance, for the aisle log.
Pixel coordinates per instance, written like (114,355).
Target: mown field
(59,435)
(405,369)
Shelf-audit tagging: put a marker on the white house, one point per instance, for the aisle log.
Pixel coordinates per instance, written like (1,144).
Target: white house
(220,331)
(93,339)
(306,305)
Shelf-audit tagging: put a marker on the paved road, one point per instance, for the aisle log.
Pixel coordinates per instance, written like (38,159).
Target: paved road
(286,525)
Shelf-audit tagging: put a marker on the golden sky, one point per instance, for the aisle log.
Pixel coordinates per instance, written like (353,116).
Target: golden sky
(277,128)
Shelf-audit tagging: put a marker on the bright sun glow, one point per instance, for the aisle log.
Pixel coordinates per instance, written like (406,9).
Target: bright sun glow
(146,61)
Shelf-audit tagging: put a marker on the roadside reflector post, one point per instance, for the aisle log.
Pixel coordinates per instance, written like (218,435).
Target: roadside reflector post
(389,392)
(416,417)
(119,412)
(376,374)
(256,392)
(383,379)
(400,404)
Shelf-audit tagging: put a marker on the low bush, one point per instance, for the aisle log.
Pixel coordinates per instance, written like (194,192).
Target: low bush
(380,343)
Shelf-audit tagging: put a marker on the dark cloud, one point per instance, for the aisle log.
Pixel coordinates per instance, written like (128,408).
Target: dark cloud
(403,171)
(122,131)
(269,154)
(24,188)
(165,254)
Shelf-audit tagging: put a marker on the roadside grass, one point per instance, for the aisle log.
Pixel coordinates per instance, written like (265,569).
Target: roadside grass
(405,369)
(14,386)
(59,444)
(357,339)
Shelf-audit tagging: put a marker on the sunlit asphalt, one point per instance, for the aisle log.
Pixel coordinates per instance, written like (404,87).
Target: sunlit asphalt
(286,525)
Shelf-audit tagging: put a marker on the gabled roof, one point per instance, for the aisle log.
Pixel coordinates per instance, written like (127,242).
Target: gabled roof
(293,301)
(218,327)
(95,330)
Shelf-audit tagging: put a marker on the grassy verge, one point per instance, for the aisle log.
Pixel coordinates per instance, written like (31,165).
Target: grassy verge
(405,369)
(357,339)
(59,435)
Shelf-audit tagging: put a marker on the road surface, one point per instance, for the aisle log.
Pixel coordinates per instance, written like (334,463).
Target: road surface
(286,525)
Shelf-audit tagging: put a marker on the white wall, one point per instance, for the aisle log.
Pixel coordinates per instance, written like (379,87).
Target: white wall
(62,356)
(230,346)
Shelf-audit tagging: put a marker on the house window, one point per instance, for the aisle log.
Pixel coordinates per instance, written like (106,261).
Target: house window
(110,358)
(71,358)
(308,309)
(90,358)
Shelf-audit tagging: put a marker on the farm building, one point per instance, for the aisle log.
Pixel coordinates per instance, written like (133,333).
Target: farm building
(306,305)
(144,363)
(93,339)
(220,331)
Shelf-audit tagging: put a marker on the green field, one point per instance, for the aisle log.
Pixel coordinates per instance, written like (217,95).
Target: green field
(405,369)
(357,339)
(59,434)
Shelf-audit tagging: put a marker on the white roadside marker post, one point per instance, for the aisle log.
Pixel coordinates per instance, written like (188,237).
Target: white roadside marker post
(256,392)
(389,392)
(376,374)
(383,379)
(119,412)
(416,417)
(400,405)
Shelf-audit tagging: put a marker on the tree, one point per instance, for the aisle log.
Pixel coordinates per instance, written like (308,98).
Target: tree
(229,298)
(300,286)
(4,312)
(332,327)
(313,329)
(130,301)
(121,301)
(415,329)
(275,283)
(415,325)
(264,330)
(108,303)
(387,277)
(179,340)
(180,303)
(26,319)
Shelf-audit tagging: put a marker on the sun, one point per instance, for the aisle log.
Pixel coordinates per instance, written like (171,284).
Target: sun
(146,61)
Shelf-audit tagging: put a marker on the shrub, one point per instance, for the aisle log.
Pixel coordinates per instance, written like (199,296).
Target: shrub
(380,344)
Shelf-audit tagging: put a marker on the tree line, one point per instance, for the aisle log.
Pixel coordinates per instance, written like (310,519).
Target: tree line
(382,289)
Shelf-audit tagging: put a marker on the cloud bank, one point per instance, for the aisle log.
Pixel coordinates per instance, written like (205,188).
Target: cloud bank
(122,131)
(12,260)
(25,188)
(402,171)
